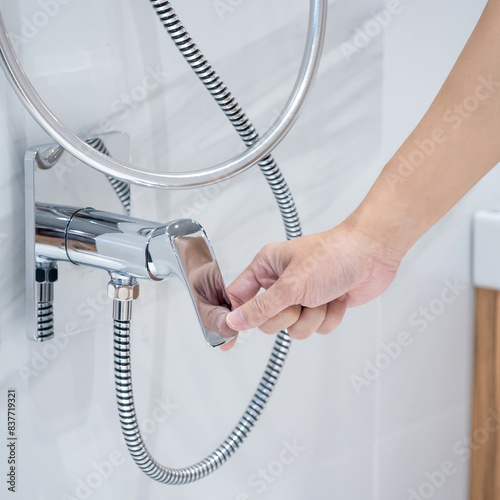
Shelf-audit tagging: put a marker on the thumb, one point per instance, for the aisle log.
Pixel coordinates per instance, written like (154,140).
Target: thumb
(262,307)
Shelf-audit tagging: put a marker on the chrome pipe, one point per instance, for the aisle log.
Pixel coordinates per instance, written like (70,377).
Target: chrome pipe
(192,179)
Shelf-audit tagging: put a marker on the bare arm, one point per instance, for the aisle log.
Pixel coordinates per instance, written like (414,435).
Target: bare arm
(453,147)
(310,281)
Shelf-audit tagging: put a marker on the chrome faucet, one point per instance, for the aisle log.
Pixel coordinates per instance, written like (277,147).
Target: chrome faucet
(131,249)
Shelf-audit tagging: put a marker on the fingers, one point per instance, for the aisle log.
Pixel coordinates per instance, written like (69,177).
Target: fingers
(334,315)
(309,321)
(282,320)
(244,287)
(267,266)
(323,319)
(228,346)
(263,307)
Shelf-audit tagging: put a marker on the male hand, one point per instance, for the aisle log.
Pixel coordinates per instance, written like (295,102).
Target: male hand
(309,282)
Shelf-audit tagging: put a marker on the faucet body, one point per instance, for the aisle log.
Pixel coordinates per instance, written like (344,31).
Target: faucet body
(138,249)
(84,236)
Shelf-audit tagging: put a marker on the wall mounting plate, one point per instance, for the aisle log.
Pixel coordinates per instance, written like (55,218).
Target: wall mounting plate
(63,179)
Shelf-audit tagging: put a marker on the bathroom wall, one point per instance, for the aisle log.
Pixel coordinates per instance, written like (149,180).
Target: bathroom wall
(332,429)
(423,400)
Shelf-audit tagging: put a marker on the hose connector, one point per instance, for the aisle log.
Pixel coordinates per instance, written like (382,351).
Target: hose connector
(45,277)
(122,290)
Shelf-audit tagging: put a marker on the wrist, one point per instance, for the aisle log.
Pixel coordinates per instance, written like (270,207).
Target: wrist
(393,213)
(389,233)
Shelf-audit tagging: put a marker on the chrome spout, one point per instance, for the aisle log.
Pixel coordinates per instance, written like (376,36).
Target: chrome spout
(140,249)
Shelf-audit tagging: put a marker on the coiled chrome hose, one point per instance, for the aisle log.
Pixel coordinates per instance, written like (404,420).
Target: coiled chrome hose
(44,321)
(130,426)
(122,315)
(121,188)
(232,110)
(45,276)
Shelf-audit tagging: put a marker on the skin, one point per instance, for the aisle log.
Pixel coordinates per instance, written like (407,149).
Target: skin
(310,281)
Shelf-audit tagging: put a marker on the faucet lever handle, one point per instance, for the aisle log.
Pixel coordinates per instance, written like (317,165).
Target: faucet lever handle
(193,261)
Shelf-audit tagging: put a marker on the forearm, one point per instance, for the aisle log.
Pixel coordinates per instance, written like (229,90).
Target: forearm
(453,147)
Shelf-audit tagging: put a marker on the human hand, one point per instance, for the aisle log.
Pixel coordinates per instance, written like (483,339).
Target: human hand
(310,281)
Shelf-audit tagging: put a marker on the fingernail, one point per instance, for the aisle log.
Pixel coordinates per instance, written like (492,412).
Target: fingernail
(235,320)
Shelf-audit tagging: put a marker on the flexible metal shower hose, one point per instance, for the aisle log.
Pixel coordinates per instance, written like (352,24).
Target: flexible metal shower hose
(231,108)
(123,375)
(45,321)
(130,426)
(121,188)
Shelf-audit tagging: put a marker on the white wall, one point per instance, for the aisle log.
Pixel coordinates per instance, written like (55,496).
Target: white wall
(373,445)
(424,398)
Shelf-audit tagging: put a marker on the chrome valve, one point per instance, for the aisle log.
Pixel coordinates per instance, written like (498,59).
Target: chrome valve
(131,249)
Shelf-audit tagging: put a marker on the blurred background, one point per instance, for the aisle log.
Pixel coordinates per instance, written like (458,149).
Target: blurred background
(359,414)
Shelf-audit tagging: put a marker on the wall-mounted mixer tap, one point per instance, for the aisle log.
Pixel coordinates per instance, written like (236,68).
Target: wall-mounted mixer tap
(131,249)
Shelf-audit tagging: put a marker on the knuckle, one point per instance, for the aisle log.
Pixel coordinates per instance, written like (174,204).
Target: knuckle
(291,288)
(260,306)
(269,248)
(281,295)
